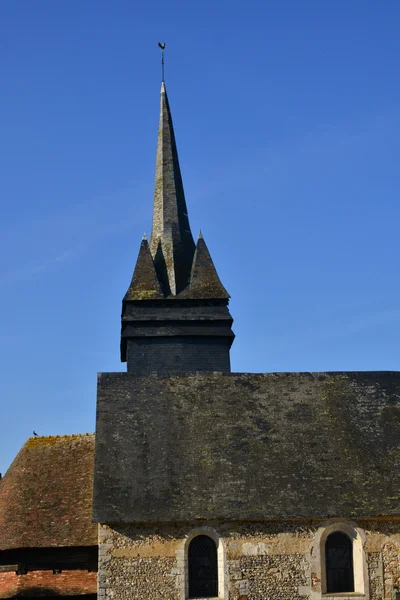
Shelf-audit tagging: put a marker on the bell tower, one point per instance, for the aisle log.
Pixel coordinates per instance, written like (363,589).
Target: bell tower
(175,315)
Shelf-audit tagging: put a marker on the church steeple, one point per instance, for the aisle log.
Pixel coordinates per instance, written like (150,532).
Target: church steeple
(175,315)
(171,241)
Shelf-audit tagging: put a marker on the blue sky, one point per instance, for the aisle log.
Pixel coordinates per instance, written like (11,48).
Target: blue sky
(287,121)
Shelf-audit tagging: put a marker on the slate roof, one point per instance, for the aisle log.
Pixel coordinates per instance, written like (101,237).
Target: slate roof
(204,280)
(239,446)
(46,494)
(144,284)
(203,283)
(171,266)
(171,241)
(173,278)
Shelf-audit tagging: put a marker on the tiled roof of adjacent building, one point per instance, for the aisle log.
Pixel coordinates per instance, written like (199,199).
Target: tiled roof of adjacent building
(46,494)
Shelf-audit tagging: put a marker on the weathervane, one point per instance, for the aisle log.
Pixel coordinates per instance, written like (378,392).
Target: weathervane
(162,46)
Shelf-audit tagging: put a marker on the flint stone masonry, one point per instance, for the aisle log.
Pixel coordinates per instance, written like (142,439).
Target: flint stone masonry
(262,561)
(246,446)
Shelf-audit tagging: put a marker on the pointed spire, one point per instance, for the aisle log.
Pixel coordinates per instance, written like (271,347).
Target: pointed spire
(204,280)
(171,241)
(144,284)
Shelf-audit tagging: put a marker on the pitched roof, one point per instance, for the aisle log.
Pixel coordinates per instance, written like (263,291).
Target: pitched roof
(241,446)
(46,494)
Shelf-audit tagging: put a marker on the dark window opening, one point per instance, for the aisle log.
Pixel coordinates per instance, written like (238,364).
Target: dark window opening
(339,563)
(203,568)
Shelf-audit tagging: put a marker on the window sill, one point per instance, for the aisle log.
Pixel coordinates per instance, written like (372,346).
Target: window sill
(344,595)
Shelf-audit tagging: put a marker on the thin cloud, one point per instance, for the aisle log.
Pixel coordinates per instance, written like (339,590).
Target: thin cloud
(350,327)
(97,216)
(326,146)
(78,226)
(32,270)
(368,322)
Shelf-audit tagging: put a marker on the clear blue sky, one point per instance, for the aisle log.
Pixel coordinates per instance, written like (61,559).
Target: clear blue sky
(288,124)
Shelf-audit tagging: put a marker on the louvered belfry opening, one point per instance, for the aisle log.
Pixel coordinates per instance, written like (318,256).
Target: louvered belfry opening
(203,568)
(339,563)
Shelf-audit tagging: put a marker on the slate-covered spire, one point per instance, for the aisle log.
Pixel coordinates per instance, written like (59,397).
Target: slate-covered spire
(171,242)
(144,284)
(204,280)
(175,315)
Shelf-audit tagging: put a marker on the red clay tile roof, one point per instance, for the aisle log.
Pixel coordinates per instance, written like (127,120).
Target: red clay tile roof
(46,494)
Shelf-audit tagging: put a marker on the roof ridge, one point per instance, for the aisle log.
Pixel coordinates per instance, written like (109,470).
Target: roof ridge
(63,435)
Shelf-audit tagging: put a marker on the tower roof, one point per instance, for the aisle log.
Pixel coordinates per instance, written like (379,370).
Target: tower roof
(171,242)
(175,315)
(204,280)
(145,284)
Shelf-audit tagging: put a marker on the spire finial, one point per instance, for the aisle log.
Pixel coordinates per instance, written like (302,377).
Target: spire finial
(144,238)
(162,46)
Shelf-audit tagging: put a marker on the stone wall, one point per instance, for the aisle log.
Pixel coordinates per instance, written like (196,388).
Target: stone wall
(257,561)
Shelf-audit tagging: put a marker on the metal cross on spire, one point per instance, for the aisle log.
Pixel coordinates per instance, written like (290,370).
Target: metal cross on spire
(162,46)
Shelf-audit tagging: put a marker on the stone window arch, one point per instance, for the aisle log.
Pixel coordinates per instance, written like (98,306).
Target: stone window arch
(348,537)
(188,550)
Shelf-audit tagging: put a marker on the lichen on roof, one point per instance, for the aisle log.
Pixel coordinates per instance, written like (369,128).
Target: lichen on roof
(54,439)
(204,280)
(171,241)
(145,284)
(46,494)
(243,446)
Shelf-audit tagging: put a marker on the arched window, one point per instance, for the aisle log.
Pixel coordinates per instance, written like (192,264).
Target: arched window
(339,563)
(203,567)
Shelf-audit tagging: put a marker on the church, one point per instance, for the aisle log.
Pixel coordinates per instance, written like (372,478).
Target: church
(200,482)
